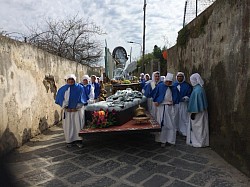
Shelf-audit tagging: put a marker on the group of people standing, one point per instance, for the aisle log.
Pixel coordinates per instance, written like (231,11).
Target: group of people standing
(73,97)
(178,107)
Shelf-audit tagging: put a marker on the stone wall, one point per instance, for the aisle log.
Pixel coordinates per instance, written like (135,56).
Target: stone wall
(29,80)
(216,45)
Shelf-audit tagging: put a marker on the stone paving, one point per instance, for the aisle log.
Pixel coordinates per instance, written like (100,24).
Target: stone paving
(117,160)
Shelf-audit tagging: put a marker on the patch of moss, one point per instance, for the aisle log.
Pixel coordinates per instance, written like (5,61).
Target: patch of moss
(183,36)
(199,28)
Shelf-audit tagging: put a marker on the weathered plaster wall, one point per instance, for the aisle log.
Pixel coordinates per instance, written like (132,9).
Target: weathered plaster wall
(29,80)
(217,46)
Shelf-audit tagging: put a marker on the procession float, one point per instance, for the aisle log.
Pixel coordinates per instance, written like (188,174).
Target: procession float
(124,109)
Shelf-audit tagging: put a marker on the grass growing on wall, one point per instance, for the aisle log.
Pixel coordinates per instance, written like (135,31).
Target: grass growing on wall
(183,36)
(199,28)
(194,30)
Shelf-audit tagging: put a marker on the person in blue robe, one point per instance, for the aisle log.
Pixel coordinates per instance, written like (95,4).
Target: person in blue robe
(198,132)
(149,91)
(165,98)
(147,77)
(142,80)
(86,87)
(147,80)
(184,92)
(71,97)
(96,87)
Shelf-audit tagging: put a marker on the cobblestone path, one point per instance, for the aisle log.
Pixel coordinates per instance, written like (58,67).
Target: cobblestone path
(117,160)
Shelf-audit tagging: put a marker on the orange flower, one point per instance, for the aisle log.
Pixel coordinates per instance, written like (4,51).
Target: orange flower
(101,113)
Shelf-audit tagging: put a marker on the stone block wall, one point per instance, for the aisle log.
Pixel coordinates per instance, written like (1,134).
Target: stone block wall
(216,45)
(29,80)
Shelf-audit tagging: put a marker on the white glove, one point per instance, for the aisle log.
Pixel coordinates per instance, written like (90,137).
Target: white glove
(185,98)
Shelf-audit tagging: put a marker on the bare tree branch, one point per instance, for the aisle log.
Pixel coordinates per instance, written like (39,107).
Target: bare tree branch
(72,39)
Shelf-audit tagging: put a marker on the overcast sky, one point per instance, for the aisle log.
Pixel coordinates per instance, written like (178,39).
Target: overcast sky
(122,20)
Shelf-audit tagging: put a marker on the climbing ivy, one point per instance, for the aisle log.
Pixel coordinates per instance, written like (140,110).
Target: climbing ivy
(183,36)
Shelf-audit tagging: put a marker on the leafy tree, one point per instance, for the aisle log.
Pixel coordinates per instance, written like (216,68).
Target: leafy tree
(155,55)
(157,52)
(73,38)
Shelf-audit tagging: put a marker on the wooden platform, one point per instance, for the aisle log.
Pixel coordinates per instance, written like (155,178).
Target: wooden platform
(129,127)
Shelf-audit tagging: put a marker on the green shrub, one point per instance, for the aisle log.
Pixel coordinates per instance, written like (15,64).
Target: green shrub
(126,82)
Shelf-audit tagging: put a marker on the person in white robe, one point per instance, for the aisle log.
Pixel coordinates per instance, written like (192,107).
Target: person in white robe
(165,98)
(149,90)
(162,78)
(96,87)
(197,132)
(147,77)
(72,98)
(147,80)
(184,92)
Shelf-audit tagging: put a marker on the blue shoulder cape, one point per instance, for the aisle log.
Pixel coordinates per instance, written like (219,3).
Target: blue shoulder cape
(87,90)
(142,83)
(77,95)
(97,90)
(198,100)
(160,92)
(148,91)
(186,89)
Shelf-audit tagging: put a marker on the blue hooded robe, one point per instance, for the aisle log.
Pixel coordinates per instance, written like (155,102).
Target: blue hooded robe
(185,89)
(148,91)
(198,100)
(86,89)
(97,89)
(142,83)
(160,93)
(77,95)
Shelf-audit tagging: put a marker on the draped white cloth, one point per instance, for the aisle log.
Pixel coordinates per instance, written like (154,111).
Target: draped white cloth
(166,116)
(72,122)
(197,131)
(182,118)
(196,79)
(168,131)
(151,107)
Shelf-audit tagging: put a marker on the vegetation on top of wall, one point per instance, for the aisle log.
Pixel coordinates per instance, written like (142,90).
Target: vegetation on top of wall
(194,29)
(183,36)
(199,28)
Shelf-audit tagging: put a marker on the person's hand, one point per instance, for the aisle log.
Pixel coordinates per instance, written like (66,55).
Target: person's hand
(185,98)
(192,116)
(156,104)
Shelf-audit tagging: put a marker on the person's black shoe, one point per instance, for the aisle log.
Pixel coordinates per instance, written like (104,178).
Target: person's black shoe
(79,143)
(69,144)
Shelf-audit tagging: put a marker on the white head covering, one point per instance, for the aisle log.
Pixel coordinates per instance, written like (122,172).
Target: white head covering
(91,79)
(181,73)
(147,75)
(169,77)
(142,74)
(196,79)
(153,75)
(97,78)
(85,77)
(162,78)
(71,76)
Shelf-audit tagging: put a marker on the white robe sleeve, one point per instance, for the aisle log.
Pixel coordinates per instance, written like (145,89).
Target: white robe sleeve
(66,98)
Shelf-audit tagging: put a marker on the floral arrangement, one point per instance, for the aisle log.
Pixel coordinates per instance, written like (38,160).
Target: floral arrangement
(126,82)
(102,119)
